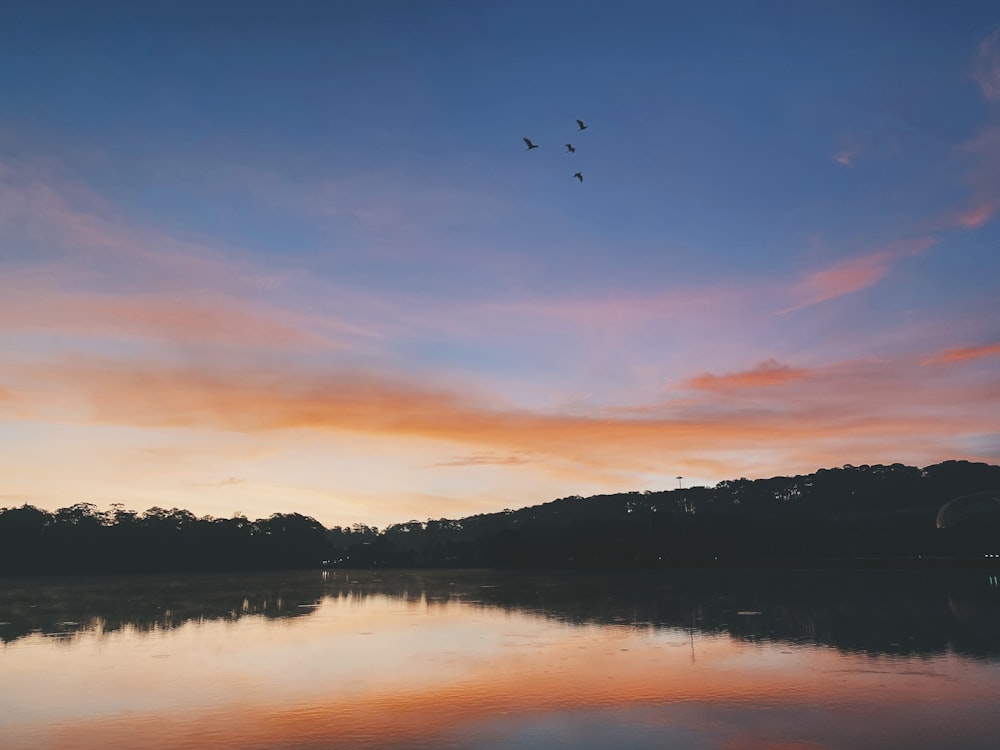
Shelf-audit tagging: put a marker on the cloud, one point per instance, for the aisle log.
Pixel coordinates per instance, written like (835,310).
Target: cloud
(180,318)
(846,277)
(964,354)
(86,272)
(982,178)
(986,67)
(978,215)
(765,374)
(489,459)
(229,481)
(865,405)
(846,157)
(77,228)
(853,274)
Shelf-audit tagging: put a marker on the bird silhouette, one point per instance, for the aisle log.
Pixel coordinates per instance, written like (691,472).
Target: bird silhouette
(582,126)
(530,144)
(570,149)
(579,176)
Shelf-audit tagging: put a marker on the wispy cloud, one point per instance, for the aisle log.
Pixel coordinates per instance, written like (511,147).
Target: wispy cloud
(847,156)
(180,318)
(862,404)
(768,373)
(96,274)
(982,177)
(489,459)
(978,215)
(229,481)
(986,67)
(78,228)
(964,354)
(853,274)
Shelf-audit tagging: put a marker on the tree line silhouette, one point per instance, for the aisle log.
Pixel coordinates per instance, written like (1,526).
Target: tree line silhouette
(847,514)
(82,539)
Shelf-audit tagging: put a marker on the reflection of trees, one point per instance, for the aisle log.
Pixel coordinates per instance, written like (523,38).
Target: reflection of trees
(64,608)
(877,612)
(887,612)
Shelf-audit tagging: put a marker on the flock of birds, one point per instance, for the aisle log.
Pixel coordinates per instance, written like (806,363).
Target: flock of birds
(570,148)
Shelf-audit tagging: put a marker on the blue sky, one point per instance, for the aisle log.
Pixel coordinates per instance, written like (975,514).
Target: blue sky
(266,257)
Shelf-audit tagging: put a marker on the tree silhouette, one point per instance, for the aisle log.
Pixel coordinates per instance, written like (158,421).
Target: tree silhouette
(851,514)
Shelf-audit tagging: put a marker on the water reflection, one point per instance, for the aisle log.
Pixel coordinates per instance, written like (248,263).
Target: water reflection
(874,612)
(63,607)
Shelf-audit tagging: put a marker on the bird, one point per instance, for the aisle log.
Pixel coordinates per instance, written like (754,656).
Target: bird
(582,126)
(570,149)
(530,144)
(579,176)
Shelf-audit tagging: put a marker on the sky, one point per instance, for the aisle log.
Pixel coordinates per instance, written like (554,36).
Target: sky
(263,257)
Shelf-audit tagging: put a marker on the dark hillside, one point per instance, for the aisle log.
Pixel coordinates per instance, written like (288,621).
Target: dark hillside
(849,515)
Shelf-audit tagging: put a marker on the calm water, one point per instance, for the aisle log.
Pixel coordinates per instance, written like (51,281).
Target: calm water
(465,659)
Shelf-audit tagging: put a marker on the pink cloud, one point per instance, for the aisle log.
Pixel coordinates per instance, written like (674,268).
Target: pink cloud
(978,215)
(98,275)
(769,373)
(81,233)
(178,319)
(963,354)
(848,276)
(853,274)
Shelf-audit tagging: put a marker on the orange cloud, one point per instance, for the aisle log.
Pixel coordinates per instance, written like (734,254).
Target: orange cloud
(765,374)
(866,406)
(962,354)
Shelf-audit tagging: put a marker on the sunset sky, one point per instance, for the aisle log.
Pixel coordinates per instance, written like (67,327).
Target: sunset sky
(293,256)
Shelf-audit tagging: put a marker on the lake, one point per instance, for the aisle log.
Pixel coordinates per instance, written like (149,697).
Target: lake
(688,660)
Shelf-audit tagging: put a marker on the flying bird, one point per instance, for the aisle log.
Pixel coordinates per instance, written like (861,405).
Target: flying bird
(582,126)
(570,149)
(530,144)
(579,176)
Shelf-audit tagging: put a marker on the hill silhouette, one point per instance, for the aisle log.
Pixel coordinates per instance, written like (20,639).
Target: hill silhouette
(869,514)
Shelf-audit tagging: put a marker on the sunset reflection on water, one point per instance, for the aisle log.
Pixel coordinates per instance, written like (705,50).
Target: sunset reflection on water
(368,669)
